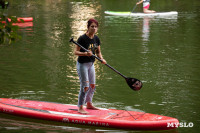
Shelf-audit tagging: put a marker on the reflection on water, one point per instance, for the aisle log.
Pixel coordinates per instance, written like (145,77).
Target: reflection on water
(166,22)
(146,24)
(81,13)
(17,124)
(146,29)
(24,25)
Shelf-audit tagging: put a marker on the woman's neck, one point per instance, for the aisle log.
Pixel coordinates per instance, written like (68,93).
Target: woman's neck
(91,36)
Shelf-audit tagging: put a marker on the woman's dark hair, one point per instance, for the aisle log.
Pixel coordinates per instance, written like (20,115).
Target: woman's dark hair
(90,21)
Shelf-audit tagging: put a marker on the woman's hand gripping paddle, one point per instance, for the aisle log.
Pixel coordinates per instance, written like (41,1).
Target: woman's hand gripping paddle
(133,83)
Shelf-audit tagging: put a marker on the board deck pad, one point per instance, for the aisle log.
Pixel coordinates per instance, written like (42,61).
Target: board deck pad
(69,113)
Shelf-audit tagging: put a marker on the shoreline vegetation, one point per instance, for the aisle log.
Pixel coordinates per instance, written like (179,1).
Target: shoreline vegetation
(8,31)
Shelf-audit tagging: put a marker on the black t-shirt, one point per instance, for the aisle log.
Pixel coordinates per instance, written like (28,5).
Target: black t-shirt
(90,44)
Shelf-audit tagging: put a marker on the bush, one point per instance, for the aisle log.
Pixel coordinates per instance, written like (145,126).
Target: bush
(8,31)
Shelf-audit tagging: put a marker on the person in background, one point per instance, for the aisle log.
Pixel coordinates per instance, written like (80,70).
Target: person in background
(85,65)
(146,5)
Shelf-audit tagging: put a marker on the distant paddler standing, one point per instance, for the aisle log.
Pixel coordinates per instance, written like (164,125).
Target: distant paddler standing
(146,4)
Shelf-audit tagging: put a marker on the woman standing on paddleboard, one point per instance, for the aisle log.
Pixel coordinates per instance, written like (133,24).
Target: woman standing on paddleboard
(85,65)
(146,4)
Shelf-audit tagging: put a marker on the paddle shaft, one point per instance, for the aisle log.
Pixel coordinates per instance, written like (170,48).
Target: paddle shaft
(134,8)
(71,40)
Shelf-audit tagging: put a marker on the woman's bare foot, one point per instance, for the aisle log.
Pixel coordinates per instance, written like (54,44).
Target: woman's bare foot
(82,110)
(153,11)
(90,106)
(148,11)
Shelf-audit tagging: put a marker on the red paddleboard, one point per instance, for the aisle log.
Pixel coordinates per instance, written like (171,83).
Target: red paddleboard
(104,117)
(25,19)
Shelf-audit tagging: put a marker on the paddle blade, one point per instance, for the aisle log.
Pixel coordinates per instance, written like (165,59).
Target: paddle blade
(134,83)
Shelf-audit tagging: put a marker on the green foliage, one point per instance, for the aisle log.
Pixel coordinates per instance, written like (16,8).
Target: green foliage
(8,31)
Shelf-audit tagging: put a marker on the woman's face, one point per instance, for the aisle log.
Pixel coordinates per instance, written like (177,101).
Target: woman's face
(93,28)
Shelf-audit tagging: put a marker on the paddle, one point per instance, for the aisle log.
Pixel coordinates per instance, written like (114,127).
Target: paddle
(134,8)
(133,83)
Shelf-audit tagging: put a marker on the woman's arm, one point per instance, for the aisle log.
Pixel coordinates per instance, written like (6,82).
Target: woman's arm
(98,52)
(79,53)
(139,2)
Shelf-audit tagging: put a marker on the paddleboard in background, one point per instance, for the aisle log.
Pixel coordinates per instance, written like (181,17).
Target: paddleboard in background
(138,14)
(19,20)
(104,117)
(26,19)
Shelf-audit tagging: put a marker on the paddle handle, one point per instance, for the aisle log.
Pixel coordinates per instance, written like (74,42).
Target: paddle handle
(71,40)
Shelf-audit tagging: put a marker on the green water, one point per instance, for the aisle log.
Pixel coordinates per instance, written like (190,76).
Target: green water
(162,52)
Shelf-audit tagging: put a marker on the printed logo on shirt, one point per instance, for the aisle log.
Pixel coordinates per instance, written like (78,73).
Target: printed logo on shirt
(93,48)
